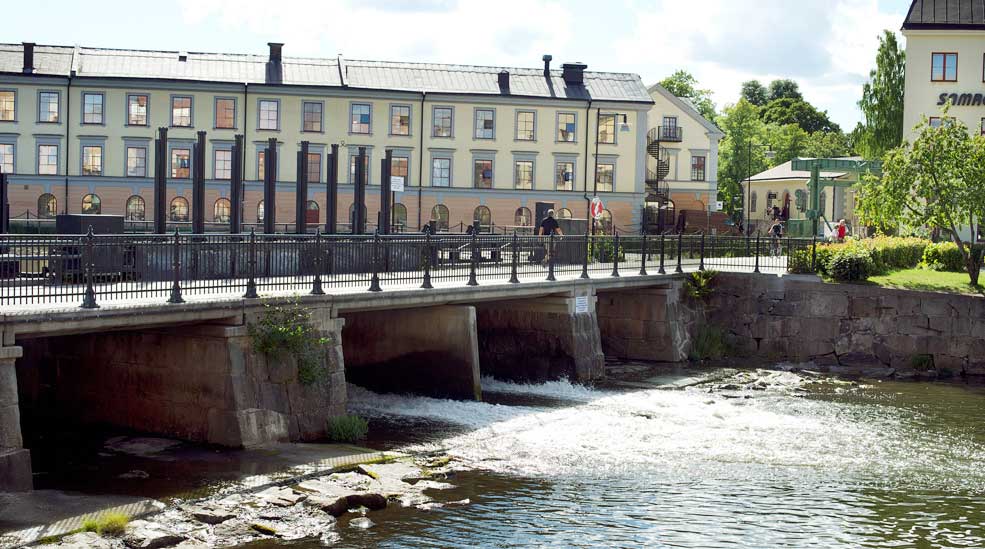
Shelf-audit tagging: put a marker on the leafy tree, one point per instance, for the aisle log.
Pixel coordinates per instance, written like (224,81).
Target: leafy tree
(755,92)
(882,100)
(736,159)
(937,181)
(826,145)
(787,142)
(683,84)
(784,89)
(797,111)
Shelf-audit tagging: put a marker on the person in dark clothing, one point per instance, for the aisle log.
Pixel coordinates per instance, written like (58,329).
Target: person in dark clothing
(548,227)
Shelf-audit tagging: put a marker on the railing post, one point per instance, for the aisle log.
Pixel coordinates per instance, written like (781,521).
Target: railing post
(758,234)
(588,252)
(427,260)
(251,283)
(316,288)
(615,254)
(89,298)
(643,262)
(813,254)
(473,281)
(701,262)
(374,284)
(550,258)
(680,249)
(514,259)
(176,265)
(662,270)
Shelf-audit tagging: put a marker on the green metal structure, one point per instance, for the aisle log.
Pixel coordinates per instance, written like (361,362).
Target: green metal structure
(816,184)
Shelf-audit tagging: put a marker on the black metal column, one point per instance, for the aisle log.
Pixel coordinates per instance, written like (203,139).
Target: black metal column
(161,182)
(359,208)
(236,188)
(4,203)
(198,186)
(385,195)
(301,193)
(332,191)
(270,187)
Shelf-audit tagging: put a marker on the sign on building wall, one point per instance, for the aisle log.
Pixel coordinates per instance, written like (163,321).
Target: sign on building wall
(581,304)
(397,183)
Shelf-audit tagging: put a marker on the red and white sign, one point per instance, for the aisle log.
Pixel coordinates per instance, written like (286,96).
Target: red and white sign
(597,208)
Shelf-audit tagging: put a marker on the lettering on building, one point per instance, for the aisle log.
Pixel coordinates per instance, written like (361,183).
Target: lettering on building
(961,100)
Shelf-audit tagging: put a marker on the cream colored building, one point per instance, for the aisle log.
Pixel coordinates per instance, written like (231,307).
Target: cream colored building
(77,127)
(786,189)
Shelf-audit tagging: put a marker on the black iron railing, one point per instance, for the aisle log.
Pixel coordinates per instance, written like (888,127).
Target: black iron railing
(92,269)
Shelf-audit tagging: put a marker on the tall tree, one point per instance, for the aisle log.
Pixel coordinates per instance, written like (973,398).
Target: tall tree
(738,155)
(755,92)
(784,89)
(787,142)
(882,100)
(683,84)
(786,110)
(826,145)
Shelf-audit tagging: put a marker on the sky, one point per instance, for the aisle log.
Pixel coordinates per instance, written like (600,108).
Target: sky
(827,46)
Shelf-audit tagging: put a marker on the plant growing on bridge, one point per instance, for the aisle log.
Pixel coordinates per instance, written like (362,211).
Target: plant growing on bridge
(109,524)
(347,428)
(288,330)
(698,285)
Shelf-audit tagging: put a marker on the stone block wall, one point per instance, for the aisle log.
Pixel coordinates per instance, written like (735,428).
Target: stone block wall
(855,328)
(646,324)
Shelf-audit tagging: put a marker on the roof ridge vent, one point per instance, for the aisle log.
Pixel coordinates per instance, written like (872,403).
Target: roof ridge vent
(182,56)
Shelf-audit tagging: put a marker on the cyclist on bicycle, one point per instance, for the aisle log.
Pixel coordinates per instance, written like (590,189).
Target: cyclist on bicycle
(776,233)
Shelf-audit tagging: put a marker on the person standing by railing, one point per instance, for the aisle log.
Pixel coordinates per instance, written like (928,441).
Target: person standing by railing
(549,226)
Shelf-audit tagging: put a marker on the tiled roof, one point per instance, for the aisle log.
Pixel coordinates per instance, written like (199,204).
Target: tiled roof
(785,171)
(946,14)
(378,75)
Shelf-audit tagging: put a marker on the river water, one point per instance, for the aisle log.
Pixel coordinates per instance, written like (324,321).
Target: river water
(692,458)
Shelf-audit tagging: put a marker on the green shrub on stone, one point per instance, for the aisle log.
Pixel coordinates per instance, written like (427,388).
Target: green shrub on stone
(288,330)
(347,428)
(709,344)
(851,263)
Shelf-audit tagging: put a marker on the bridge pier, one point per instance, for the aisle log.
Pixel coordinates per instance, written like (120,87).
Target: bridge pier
(15,460)
(540,339)
(645,323)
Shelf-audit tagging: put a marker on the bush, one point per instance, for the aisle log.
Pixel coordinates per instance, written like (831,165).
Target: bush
(698,284)
(943,256)
(289,330)
(109,524)
(709,344)
(851,263)
(886,254)
(347,428)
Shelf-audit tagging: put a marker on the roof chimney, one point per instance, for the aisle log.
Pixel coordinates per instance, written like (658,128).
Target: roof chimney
(275,49)
(547,65)
(28,57)
(573,73)
(504,81)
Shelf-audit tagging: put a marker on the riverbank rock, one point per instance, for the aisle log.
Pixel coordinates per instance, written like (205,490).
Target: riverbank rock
(281,497)
(210,515)
(142,534)
(85,540)
(397,470)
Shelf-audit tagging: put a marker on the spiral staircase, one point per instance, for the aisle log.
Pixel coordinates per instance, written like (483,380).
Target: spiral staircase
(658,213)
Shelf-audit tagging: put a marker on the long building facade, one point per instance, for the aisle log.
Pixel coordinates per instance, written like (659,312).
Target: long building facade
(471,143)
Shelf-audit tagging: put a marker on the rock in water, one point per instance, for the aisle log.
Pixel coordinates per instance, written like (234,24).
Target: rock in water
(210,515)
(281,497)
(361,522)
(373,502)
(142,534)
(85,540)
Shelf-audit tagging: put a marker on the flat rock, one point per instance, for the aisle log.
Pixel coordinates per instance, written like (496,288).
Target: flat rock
(210,515)
(281,497)
(397,470)
(142,534)
(85,540)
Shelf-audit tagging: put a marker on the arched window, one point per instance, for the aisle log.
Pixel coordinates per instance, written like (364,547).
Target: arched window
(352,216)
(823,204)
(179,209)
(755,199)
(91,204)
(221,210)
(605,222)
(47,205)
(311,213)
(483,216)
(399,216)
(260,212)
(522,217)
(135,208)
(440,215)
(564,213)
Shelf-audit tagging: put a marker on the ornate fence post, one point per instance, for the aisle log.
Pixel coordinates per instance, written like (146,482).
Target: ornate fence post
(758,234)
(514,259)
(813,254)
(473,281)
(176,265)
(588,252)
(316,288)
(662,270)
(615,254)
(643,262)
(427,260)
(374,284)
(251,262)
(550,258)
(88,263)
(680,249)
(701,262)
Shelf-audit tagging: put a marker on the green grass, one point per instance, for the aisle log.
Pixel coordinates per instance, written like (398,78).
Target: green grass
(928,281)
(109,524)
(347,428)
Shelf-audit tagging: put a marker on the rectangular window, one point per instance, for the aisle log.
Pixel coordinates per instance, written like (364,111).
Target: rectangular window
(399,120)
(7,105)
(47,159)
(604,175)
(353,159)
(564,176)
(944,67)
(983,126)
(260,165)
(312,116)
(483,174)
(607,129)
(92,160)
(525,125)
(935,121)
(269,115)
(48,107)
(442,121)
(441,172)
(7,157)
(524,174)
(566,127)
(137,110)
(223,164)
(136,162)
(314,167)
(181,163)
(225,114)
(181,112)
(697,168)
(361,118)
(484,124)
(92,108)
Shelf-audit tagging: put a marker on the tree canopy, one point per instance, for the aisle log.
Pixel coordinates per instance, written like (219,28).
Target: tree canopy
(784,89)
(755,92)
(787,110)
(882,100)
(684,84)
(739,155)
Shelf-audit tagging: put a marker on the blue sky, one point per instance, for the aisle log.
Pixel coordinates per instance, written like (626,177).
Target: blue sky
(828,46)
